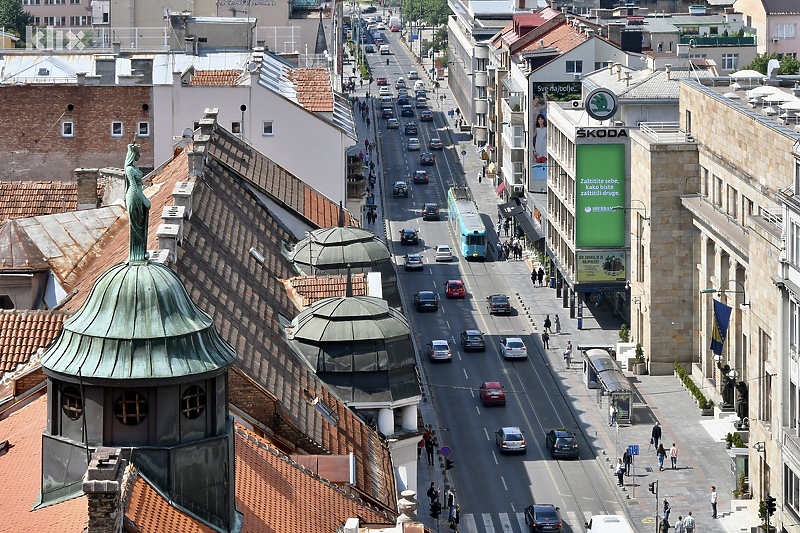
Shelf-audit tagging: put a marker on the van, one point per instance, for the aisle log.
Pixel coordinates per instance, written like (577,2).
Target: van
(386,102)
(385,50)
(608,523)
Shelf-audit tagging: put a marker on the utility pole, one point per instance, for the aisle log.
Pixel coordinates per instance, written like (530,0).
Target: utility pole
(654,490)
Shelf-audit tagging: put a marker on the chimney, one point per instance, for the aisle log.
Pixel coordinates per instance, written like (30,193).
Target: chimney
(101,484)
(81,78)
(173,215)
(168,240)
(211,112)
(159,256)
(197,158)
(182,196)
(116,47)
(628,77)
(610,67)
(619,71)
(668,71)
(87,187)
(207,126)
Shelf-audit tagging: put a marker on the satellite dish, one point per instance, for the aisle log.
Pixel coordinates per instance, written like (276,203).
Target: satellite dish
(252,66)
(187,133)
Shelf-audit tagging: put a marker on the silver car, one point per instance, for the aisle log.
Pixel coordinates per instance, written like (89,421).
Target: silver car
(513,348)
(439,350)
(510,439)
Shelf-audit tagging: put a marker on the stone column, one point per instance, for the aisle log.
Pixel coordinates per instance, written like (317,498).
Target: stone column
(101,483)
(386,421)
(409,418)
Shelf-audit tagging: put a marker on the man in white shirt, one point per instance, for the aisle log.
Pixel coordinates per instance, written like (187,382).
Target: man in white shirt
(688,523)
(713,501)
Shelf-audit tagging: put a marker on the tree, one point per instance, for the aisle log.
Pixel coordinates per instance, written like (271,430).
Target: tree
(788,65)
(14,18)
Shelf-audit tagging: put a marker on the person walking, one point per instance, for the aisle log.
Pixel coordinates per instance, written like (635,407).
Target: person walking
(533,277)
(663,527)
(612,414)
(432,493)
(429,446)
(688,523)
(679,525)
(673,456)
(661,453)
(627,460)
(667,509)
(568,354)
(655,435)
(456,518)
(545,340)
(713,501)
(436,509)
(540,275)
(557,324)
(620,471)
(421,443)
(546,324)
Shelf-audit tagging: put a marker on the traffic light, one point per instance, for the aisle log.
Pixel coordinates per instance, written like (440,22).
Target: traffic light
(653,487)
(771,507)
(449,464)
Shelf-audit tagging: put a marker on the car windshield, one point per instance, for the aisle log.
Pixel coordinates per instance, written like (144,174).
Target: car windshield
(513,436)
(514,344)
(546,513)
(473,337)
(499,300)
(426,296)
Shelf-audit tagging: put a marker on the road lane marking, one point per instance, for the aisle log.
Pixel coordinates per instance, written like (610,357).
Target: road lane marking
(487,522)
(504,482)
(465,374)
(495,458)
(487,434)
(505,523)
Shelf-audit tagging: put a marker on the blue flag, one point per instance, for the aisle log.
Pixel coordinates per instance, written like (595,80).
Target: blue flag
(722,319)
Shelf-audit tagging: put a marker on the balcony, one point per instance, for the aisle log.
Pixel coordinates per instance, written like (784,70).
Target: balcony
(718,41)
(512,109)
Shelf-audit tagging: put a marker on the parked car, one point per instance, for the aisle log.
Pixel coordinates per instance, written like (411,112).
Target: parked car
(426,115)
(427,158)
(498,304)
(411,128)
(435,144)
(420,176)
(400,189)
(443,253)
(412,75)
(413,144)
(413,262)
(510,439)
(381,80)
(406,111)
(392,124)
(439,350)
(492,393)
(543,518)
(409,236)
(513,348)
(561,442)
(430,212)
(472,339)
(454,288)
(426,301)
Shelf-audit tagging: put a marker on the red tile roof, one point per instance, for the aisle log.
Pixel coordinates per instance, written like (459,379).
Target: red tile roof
(20,472)
(563,38)
(22,332)
(151,513)
(219,78)
(309,289)
(22,199)
(314,90)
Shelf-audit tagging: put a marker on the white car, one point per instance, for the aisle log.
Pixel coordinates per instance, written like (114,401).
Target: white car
(380,26)
(439,350)
(412,75)
(413,144)
(419,85)
(444,253)
(385,91)
(513,348)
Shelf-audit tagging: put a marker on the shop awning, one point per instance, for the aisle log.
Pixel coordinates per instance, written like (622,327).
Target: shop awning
(510,209)
(501,187)
(527,226)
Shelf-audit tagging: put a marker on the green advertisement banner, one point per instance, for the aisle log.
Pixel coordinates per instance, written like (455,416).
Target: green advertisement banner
(600,187)
(601,265)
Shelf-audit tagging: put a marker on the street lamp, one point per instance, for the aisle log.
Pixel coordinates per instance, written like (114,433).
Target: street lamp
(627,207)
(712,290)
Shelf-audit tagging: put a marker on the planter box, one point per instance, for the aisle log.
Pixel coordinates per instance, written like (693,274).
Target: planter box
(640,369)
(707,412)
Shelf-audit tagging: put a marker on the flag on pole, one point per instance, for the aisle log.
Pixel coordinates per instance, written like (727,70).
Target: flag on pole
(722,319)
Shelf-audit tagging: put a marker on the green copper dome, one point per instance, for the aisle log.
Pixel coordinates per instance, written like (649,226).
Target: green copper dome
(138,323)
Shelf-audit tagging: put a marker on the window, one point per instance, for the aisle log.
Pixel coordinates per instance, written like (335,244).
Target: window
(794,256)
(71,402)
(6,302)
(267,130)
(31,2)
(518,139)
(730,61)
(116,129)
(195,126)
(793,406)
(733,205)
(717,191)
(68,129)
(236,128)
(784,31)
(481,65)
(481,93)
(193,402)
(765,384)
(130,408)
(796,176)
(518,172)
(574,67)
(688,125)
(791,489)
(144,129)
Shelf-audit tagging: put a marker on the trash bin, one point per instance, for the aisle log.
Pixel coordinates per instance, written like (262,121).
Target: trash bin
(553,283)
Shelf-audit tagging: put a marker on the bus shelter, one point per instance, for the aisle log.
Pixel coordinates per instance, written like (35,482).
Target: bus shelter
(600,371)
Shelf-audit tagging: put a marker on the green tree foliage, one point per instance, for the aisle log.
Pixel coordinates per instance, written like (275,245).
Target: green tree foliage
(431,12)
(789,65)
(14,18)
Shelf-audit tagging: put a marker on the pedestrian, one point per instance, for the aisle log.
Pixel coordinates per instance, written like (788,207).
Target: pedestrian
(480,178)
(366,144)
(533,277)
(679,525)
(627,459)
(661,453)
(557,323)
(451,497)
(369,122)
(667,509)
(620,471)
(545,340)
(456,518)
(713,501)
(361,82)
(688,523)
(429,447)
(568,354)
(436,509)
(673,456)
(421,443)
(663,527)
(612,414)
(432,493)
(547,324)
(540,275)
(655,435)
(507,226)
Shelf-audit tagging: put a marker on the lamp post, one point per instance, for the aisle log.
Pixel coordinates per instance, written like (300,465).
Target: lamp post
(712,290)
(628,207)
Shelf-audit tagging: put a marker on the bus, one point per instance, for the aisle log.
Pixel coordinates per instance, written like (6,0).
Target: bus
(467,223)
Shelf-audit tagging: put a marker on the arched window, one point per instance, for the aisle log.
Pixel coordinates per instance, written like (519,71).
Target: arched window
(130,408)
(71,402)
(193,402)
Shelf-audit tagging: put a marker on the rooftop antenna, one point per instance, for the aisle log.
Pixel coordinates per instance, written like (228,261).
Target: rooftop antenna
(349,287)
(341,215)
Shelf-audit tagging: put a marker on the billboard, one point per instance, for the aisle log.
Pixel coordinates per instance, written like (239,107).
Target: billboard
(600,266)
(600,186)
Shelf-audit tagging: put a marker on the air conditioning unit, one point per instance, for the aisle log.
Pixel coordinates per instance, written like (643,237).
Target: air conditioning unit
(577,104)
(517,190)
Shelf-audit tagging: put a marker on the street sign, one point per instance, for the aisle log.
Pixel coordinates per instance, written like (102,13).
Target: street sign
(633,449)
(445,450)
(463,152)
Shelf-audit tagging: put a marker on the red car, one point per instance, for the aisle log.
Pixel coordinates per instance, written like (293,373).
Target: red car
(383,80)
(427,159)
(492,393)
(454,288)
(426,116)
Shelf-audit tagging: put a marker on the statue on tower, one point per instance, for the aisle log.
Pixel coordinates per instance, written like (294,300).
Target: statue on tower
(138,206)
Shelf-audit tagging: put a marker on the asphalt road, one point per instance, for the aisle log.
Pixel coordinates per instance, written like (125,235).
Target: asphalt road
(492,489)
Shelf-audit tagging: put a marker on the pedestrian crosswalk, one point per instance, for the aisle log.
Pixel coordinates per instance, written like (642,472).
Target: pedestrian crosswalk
(515,522)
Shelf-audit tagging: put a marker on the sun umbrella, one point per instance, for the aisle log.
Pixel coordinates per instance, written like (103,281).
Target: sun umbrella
(732,96)
(763,91)
(791,105)
(747,74)
(778,97)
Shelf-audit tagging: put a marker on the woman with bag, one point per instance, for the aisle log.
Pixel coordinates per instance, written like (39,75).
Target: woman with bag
(455,517)
(661,454)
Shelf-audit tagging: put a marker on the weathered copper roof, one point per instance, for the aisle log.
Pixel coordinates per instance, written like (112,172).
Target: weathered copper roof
(347,319)
(337,247)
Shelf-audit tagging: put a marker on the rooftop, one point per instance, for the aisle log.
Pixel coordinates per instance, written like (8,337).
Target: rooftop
(24,332)
(19,199)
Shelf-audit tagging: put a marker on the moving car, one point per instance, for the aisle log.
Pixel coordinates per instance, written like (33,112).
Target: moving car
(510,439)
(403,100)
(426,301)
(444,253)
(492,393)
(472,339)
(370,9)
(439,350)
(608,523)
(436,143)
(454,288)
(412,75)
(411,128)
(370,49)
(543,518)
(400,82)
(385,50)
(419,85)
(385,91)
(513,348)
(420,176)
(381,80)
(413,262)
(386,101)
(430,212)
(421,102)
(409,236)
(400,189)
(498,304)
(413,144)
(387,113)
(426,115)
(561,442)
(392,123)
(427,158)
(406,111)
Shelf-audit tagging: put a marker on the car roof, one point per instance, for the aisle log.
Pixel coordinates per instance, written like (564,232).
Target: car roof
(426,293)
(439,342)
(413,255)
(473,332)
(511,429)
(563,432)
(400,183)
(456,281)
(492,385)
(513,339)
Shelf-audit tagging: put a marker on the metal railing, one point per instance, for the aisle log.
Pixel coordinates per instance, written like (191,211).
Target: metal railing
(666,132)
